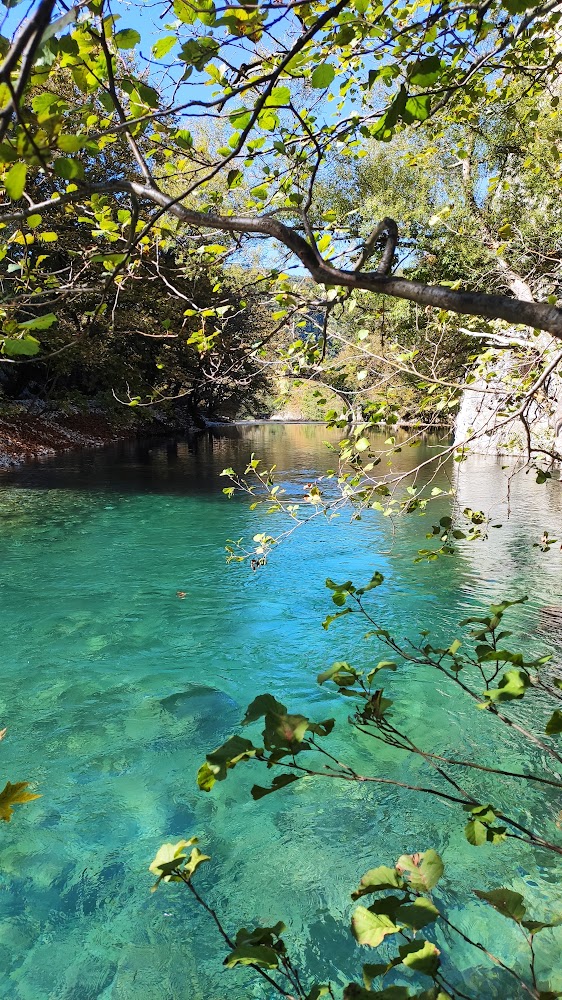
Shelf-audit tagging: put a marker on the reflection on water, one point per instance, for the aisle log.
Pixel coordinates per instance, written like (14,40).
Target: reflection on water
(113,690)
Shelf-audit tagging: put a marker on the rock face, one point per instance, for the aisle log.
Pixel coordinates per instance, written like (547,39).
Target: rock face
(488,403)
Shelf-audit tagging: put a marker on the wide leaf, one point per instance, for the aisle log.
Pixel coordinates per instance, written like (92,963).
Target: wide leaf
(14,794)
(422,870)
(371,928)
(506,902)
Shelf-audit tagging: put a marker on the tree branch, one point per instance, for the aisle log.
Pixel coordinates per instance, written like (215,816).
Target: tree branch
(538,315)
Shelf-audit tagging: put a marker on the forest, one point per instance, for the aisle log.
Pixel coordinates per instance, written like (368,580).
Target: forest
(298,266)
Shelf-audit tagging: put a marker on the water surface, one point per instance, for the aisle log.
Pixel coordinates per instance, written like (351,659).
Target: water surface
(113,689)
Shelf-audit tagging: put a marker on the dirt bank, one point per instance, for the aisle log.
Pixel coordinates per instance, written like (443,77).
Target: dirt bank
(31,431)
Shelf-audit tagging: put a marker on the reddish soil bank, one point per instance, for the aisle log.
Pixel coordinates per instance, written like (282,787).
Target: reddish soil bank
(26,435)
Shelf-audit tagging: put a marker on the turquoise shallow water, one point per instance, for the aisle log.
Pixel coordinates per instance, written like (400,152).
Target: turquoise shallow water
(113,689)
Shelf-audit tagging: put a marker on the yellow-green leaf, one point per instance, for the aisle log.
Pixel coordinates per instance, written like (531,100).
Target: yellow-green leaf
(15,180)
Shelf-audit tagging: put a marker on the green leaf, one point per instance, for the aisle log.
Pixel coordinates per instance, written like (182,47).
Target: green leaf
(196,858)
(127,38)
(376,879)
(323,728)
(14,346)
(371,928)
(185,11)
(14,794)
(257,792)
(240,118)
(331,618)
(14,180)
(171,857)
(374,582)
(418,914)
(261,705)
(513,685)
(371,971)
(67,168)
(234,178)
(163,46)
(70,143)
(170,854)
(7,153)
(421,956)
(509,904)
(220,761)
(198,52)
(339,671)
(260,935)
(279,97)
(322,76)
(109,258)
(426,72)
(534,926)
(423,870)
(40,323)
(382,665)
(317,992)
(476,833)
(247,954)
(554,724)
(417,108)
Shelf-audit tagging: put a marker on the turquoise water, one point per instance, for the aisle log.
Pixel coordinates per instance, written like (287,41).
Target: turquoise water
(113,689)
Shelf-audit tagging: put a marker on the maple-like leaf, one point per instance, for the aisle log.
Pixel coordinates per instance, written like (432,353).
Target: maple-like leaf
(14,795)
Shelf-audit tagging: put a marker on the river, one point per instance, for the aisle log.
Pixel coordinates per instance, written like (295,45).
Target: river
(113,688)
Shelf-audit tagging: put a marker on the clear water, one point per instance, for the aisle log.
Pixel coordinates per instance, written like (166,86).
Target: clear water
(113,689)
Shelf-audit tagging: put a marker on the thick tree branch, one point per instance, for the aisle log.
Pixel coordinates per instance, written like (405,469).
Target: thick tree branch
(538,315)
(389,227)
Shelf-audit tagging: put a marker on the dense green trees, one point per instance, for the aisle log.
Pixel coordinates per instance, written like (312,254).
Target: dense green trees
(215,132)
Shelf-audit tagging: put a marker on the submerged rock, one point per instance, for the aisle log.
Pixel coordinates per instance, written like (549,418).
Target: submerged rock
(207,712)
(196,700)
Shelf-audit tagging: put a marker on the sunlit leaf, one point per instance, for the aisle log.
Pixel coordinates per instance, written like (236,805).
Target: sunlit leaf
(423,871)
(127,38)
(371,928)
(14,794)
(322,76)
(14,180)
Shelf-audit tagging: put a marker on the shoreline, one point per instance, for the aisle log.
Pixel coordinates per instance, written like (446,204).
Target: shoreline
(32,431)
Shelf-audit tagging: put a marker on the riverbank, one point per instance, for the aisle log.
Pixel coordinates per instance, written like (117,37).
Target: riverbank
(33,430)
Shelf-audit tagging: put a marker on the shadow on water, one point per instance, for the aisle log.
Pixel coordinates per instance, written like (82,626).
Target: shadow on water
(163,465)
